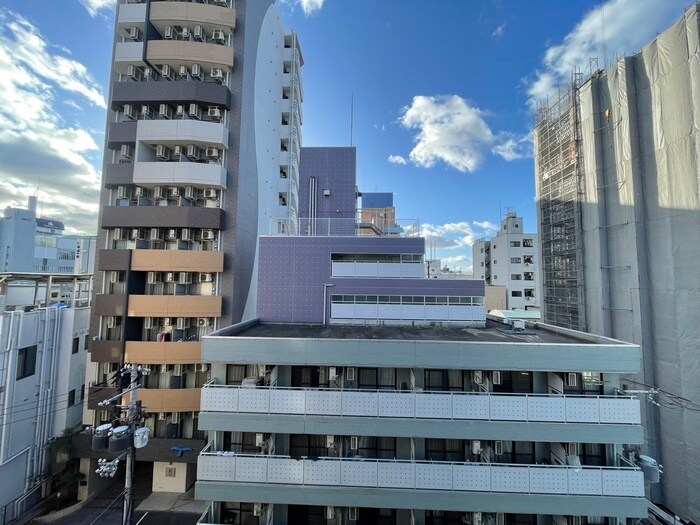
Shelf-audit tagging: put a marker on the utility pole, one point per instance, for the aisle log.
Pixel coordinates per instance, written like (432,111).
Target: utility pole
(133,413)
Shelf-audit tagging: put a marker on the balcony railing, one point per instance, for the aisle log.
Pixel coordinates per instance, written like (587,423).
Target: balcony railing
(421,475)
(422,405)
(350,227)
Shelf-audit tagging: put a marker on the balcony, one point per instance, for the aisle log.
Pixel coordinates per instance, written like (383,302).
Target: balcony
(174,306)
(177,261)
(162,217)
(191,131)
(131,15)
(121,133)
(511,488)
(171,353)
(99,393)
(158,449)
(106,351)
(174,173)
(175,52)
(110,305)
(187,14)
(377,269)
(113,260)
(170,400)
(170,92)
(118,175)
(129,53)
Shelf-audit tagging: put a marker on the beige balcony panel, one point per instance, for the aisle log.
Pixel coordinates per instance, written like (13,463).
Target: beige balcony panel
(177,261)
(174,306)
(170,400)
(186,13)
(163,353)
(176,52)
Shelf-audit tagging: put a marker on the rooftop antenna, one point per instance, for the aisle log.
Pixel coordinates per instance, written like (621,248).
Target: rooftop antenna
(352,114)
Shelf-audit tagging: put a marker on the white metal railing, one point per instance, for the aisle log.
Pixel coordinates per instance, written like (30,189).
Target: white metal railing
(350,227)
(377,269)
(422,405)
(421,475)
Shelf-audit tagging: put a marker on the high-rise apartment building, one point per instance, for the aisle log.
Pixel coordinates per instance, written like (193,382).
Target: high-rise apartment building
(378,210)
(366,392)
(619,211)
(510,259)
(201,157)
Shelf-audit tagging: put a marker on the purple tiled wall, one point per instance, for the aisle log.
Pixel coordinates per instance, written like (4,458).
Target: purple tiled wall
(335,170)
(293,271)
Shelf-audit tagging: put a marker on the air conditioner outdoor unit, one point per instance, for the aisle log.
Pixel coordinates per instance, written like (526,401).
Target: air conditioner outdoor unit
(177,370)
(183,71)
(500,518)
(185,234)
(140,191)
(350,373)
(330,441)
(195,111)
(147,112)
(207,235)
(218,36)
(170,277)
(353,513)
(205,277)
(174,191)
(150,74)
(158,192)
(170,33)
(330,513)
(162,152)
(182,323)
(130,112)
(203,367)
(196,71)
(171,235)
(113,276)
(123,192)
(332,373)
(190,192)
(180,111)
(571,379)
(166,72)
(212,152)
(214,112)
(177,152)
(175,417)
(210,193)
(118,234)
(478,377)
(133,72)
(148,323)
(152,277)
(354,442)
(126,151)
(257,509)
(156,234)
(572,449)
(198,33)
(184,278)
(165,111)
(217,74)
(185,33)
(134,33)
(476,518)
(203,321)
(496,378)
(192,152)
(476,447)
(111,321)
(162,416)
(498,448)
(137,234)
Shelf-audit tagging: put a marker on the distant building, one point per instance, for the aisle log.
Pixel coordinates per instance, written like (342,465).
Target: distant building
(378,210)
(510,259)
(31,244)
(42,364)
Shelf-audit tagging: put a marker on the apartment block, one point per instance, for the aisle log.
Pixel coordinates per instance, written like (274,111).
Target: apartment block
(510,259)
(201,157)
(619,212)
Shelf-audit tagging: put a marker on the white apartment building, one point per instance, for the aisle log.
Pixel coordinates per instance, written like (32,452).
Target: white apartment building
(511,259)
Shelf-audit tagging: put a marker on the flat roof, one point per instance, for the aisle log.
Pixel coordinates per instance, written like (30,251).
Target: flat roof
(493,333)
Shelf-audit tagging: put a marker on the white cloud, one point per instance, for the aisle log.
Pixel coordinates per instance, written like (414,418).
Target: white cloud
(35,144)
(514,147)
(500,30)
(95,6)
(448,130)
(487,226)
(613,28)
(308,6)
(451,261)
(396,159)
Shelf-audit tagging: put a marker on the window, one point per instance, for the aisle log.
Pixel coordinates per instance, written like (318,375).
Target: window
(26,362)
(170,472)
(482,263)
(482,250)
(515,260)
(495,261)
(82,393)
(71,398)
(528,259)
(515,277)
(515,244)
(528,243)
(494,246)
(76,345)
(529,292)
(529,276)
(516,293)
(86,342)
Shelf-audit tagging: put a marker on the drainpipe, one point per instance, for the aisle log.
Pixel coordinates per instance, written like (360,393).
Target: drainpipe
(325,299)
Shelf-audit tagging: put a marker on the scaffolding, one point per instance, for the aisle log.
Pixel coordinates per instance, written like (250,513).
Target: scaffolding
(559,182)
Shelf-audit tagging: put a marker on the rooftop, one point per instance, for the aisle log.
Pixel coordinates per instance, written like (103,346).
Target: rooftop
(493,333)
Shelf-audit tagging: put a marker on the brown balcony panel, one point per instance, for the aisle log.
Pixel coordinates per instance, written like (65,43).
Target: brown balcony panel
(117,175)
(121,133)
(170,400)
(187,14)
(174,306)
(106,351)
(170,92)
(158,449)
(109,305)
(100,393)
(177,261)
(178,51)
(113,260)
(170,353)
(162,217)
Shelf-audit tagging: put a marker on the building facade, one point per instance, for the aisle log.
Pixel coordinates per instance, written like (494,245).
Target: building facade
(511,259)
(31,244)
(201,157)
(619,211)
(42,363)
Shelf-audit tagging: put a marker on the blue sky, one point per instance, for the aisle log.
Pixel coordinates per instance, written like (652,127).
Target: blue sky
(443,95)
